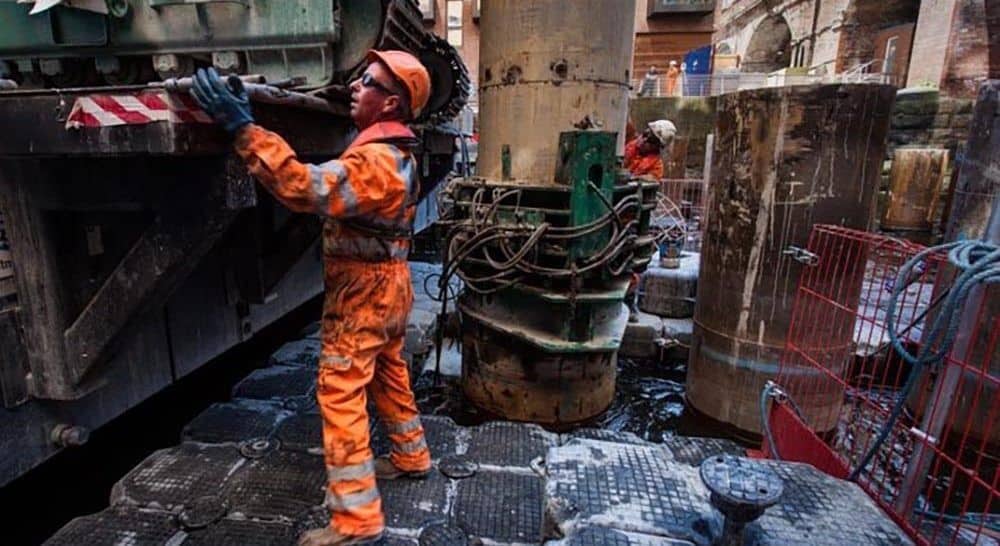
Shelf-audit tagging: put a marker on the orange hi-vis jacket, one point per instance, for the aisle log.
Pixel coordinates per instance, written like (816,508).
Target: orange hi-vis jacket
(642,165)
(368,196)
(369,192)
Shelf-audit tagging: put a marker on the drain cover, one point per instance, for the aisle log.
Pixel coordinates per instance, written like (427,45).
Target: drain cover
(257,448)
(442,534)
(458,467)
(202,512)
(741,488)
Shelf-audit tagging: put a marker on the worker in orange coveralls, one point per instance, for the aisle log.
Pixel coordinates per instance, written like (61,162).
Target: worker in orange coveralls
(642,154)
(642,158)
(368,198)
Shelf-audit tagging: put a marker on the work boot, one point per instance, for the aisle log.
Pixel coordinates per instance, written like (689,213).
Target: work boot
(386,470)
(327,536)
(633,312)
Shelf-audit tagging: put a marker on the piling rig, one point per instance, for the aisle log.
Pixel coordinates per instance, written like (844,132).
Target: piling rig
(545,269)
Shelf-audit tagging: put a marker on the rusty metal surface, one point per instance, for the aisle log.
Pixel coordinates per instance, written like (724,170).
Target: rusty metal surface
(540,74)
(786,158)
(509,377)
(914,185)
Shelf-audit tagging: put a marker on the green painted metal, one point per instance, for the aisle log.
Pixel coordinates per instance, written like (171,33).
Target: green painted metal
(55,29)
(313,39)
(587,164)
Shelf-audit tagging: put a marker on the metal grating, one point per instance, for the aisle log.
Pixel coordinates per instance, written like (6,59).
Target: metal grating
(304,352)
(119,525)
(232,532)
(501,506)
(277,382)
(234,422)
(169,478)
(413,504)
(284,484)
(509,444)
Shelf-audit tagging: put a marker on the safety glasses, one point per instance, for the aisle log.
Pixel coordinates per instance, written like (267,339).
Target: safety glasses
(368,80)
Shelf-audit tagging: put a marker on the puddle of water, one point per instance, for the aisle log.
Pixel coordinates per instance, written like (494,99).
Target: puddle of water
(649,402)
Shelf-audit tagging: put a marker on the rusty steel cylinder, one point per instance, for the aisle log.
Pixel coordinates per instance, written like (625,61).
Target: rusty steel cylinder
(545,67)
(785,159)
(914,185)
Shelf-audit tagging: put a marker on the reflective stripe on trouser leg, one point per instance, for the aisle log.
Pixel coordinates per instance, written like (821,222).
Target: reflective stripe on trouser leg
(404,427)
(350,472)
(390,390)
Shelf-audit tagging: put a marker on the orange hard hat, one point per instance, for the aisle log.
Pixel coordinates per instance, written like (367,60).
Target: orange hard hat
(410,72)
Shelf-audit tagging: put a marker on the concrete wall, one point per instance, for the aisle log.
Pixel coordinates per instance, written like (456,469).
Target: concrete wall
(693,116)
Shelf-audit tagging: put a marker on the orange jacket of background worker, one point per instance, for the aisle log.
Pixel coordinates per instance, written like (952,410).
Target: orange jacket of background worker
(368,196)
(642,154)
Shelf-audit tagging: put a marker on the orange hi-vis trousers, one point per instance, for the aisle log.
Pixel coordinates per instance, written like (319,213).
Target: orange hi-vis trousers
(364,323)
(368,297)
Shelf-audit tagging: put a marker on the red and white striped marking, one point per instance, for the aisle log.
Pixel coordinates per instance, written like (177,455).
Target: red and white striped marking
(134,109)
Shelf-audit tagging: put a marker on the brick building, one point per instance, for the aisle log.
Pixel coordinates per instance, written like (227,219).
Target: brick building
(935,43)
(665,30)
(458,21)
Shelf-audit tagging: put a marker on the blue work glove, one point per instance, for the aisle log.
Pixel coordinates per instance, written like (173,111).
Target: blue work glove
(228,104)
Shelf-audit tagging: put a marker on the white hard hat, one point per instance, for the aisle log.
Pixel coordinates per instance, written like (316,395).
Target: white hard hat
(664,130)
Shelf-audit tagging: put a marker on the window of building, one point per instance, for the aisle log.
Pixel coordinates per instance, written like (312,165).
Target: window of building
(427,10)
(889,61)
(455,22)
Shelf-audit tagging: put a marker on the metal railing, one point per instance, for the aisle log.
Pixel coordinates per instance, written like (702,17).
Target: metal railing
(920,437)
(720,83)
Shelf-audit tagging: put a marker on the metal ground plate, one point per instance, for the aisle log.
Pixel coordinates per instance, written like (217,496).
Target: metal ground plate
(441,433)
(604,536)
(412,504)
(501,506)
(635,488)
(171,477)
(284,485)
(601,487)
(236,421)
(302,431)
(277,382)
(626,487)
(232,532)
(606,435)
(303,352)
(119,525)
(502,443)
(695,450)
